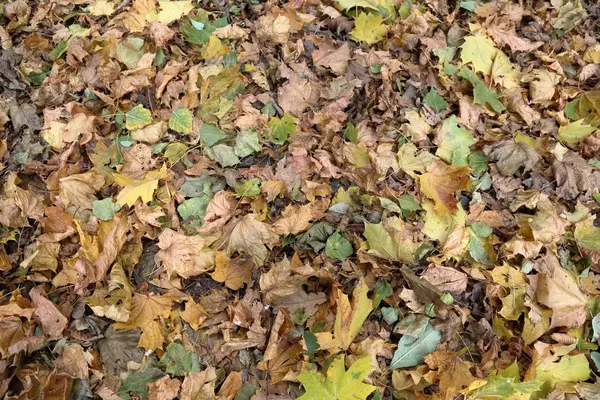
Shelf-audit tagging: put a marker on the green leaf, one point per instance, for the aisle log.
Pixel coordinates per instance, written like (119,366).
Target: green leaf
(337,384)
(478,162)
(454,149)
(178,361)
(193,208)
(575,131)
(247,143)
(223,154)
(408,203)
(468,5)
(315,237)
(571,109)
(104,209)
(210,134)
(312,345)
(137,383)
(505,384)
(481,93)
(389,314)
(481,229)
(435,101)
(129,51)
(587,235)
(248,187)
(412,351)
(337,247)
(381,290)
(138,117)
(280,129)
(175,152)
(246,391)
(181,121)
(481,250)
(351,133)
(368,28)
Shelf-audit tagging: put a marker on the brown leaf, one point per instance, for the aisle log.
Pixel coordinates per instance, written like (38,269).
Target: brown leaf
(330,57)
(250,236)
(165,388)
(447,279)
(185,256)
(234,273)
(230,386)
(510,156)
(573,175)
(199,385)
(300,300)
(284,278)
(298,95)
(441,181)
(502,35)
(46,314)
(79,189)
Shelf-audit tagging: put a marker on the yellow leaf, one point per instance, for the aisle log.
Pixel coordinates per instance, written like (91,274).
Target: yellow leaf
(102,7)
(144,309)
(480,52)
(294,219)
(441,181)
(214,48)
(54,134)
(350,317)
(152,337)
(170,11)
(234,273)
(114,301)
(337,384)
(134,189)
(194,314)
(368,28)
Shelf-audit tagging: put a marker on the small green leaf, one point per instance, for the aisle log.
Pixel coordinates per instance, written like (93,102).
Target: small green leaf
(280,129)
(193,208)
(381,290)
(455,148)
(178,361)
(412,351)
(105,209)
(247,143)
(246,391)
(408,203)
(137,383)
(468,5)
(481,93)
(481,229)
(575,131)
(351,133)
(571,109)
(175,152)
(248,187)
(181,121)
(210,134)
(389,314)
(138,117)
(481,250)
(312,345)
(435,101)
(223,154)
(478,162)
(337,247)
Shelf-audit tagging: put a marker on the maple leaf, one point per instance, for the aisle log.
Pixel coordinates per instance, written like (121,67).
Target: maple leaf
(337,384)
(234,273)
(480,52)
(134,189)
(368,28)
(510,156)
(441,181)
(250,236)
(186,256)
(170,11)
(386,243)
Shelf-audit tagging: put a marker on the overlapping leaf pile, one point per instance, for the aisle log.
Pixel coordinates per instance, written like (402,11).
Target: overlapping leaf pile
(342,199)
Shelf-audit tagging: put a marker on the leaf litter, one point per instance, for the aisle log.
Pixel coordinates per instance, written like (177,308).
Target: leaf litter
(341,199)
